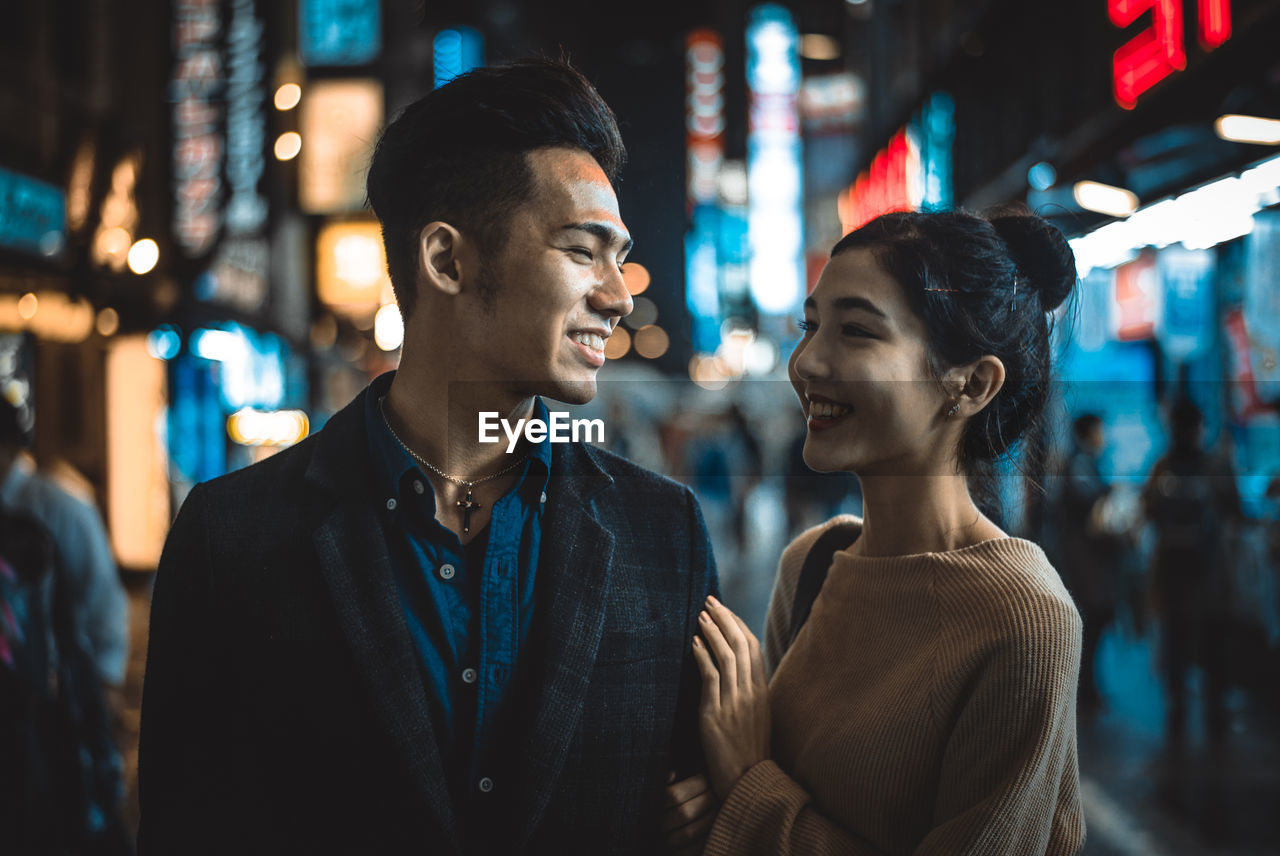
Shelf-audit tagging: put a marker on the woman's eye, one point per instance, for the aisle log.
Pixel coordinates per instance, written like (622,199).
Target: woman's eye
(807,326)
(854,330)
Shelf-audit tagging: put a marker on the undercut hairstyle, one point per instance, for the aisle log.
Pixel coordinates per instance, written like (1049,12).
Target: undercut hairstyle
(981,286)
(458,155)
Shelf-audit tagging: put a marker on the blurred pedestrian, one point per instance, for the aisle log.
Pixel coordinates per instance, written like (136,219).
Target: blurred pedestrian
(1191,500)
(395,637)
(924,664)
(1090,552)
(85,619)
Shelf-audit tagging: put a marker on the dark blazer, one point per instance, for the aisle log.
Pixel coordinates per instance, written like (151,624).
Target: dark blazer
(283,709)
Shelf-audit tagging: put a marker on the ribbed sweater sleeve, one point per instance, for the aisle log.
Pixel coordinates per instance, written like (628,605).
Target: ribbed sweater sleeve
(981,761)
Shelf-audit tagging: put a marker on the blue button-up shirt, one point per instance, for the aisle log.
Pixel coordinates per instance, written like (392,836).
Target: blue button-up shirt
(468,608)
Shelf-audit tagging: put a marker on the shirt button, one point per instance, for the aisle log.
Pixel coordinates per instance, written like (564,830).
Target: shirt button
(447,572)
(544,497)
(486,785)
(391,504)
(418,487)
(469,677)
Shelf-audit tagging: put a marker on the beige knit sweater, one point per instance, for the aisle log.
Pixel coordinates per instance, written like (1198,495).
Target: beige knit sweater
(927,707)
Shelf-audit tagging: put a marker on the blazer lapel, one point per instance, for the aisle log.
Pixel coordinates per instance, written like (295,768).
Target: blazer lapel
(573,576)
(354,560)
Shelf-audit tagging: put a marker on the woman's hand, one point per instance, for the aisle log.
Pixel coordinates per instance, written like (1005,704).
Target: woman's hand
(689,812)
(733,717)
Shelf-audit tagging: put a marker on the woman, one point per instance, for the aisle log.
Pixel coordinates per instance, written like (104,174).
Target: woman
(927,704)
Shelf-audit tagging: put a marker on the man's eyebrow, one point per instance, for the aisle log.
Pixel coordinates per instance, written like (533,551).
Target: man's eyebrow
(603,231)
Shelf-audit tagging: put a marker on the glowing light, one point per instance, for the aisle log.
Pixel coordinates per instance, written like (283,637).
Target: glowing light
(112,244)
(1042,176)
(816,46)
(1215,23)
(288,145)
(250,427)
(618,344)
(1105,199)
(651,342)
(1204,217)
(1151,55)
(223,346)
(455,51)
(143,256)
(708,372)
(1248,129)
(636,276)
(164,342)
(28,306)
(288,96)
(388,328)
(108,322)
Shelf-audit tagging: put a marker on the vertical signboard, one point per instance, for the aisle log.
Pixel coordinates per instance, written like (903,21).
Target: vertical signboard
(774,178)
(196,94)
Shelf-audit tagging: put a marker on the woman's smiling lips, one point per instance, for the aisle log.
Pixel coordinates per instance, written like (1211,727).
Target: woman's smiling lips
(824,412)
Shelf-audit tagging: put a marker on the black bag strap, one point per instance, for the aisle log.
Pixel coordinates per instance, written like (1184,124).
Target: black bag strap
(814,571)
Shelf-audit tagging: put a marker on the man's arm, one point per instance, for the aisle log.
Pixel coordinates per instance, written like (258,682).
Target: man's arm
(182,742)
(686,749)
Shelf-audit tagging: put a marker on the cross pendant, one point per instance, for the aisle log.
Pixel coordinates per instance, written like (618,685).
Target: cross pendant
(467,505)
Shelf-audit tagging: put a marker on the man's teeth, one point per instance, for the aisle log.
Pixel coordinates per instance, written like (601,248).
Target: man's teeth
(591,340)
(826,410)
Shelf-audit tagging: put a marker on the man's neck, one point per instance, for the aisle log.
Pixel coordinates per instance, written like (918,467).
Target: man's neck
(439,421)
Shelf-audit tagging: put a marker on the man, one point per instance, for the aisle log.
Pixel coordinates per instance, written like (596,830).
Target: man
(72,635)
(395,638)
(1091,567)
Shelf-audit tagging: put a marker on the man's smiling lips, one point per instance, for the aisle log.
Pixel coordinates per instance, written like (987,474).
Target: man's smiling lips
(824,412)
(590,344)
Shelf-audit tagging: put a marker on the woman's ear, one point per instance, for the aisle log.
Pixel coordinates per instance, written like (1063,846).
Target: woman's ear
(975,385)
(439,257)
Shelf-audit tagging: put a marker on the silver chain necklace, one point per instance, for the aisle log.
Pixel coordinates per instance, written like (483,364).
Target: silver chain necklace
(467,505)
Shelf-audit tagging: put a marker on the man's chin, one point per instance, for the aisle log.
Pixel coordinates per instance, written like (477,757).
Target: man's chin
(578,391)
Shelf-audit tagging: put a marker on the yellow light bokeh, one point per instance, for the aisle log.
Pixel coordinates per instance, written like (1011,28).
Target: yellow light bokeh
(618,344)
(28,306)
(636,277)
(651,342)
(288,145)
(143,256)
(108,321)
(288,96)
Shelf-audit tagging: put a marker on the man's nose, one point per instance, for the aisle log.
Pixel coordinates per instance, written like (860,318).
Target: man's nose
(612,296)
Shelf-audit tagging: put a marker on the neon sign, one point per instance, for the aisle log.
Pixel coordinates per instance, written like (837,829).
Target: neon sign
(1157,51)
(913,171)
(197,90)
(704,114)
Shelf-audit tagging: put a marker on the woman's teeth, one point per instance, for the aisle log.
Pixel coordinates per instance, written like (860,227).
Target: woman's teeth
(826,410)
(591,340)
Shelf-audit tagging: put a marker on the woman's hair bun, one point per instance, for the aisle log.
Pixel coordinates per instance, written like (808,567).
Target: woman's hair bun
(1042,253)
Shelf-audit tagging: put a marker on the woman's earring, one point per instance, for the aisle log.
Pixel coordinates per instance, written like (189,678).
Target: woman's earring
(955,409)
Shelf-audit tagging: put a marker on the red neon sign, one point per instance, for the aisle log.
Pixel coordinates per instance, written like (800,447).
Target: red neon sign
(1215,23)
(891,184)
(1157,52)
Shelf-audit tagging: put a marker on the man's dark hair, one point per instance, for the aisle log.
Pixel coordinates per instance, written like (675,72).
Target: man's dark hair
(458,155)
(1085,425)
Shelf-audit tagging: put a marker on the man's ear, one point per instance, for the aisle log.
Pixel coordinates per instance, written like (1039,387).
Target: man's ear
(974,385)
(440,266)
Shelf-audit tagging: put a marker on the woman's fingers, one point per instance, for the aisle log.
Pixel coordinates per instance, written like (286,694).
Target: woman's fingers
(710,675)
(726,660)
(736,636)
(757,656)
